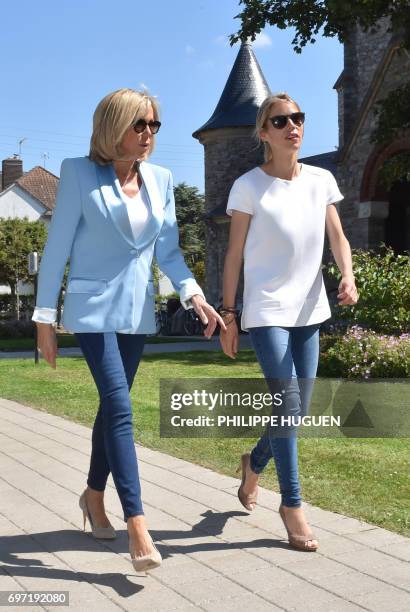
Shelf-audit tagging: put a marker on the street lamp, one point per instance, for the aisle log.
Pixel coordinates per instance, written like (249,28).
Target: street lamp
(33,271)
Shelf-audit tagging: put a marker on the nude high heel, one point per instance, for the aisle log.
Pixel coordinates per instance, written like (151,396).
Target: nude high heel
(299,541)
(103,533)
(247,501)
(146,562)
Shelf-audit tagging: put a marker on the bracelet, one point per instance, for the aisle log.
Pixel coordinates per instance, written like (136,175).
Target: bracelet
(223,311)
(230,321)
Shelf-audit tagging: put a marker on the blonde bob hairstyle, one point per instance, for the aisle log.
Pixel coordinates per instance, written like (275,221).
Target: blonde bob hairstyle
(113,116)
(262,117)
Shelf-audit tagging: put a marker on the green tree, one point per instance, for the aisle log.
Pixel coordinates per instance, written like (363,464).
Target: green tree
(189,205)
(18,238)
(383,282)
(308,17)
(333,18)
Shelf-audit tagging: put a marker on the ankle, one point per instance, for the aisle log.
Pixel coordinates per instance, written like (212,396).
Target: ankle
(94,494)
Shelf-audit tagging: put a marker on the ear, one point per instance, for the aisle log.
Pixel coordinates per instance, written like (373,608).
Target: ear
(262,135)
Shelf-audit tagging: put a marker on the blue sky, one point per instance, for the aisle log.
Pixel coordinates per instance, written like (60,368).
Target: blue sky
(60,58)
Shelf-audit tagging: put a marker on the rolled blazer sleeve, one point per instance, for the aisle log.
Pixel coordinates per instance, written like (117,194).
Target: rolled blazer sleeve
(169,256)
(65,219)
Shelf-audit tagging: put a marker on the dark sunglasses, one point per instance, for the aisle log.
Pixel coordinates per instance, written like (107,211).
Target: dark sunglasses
(140,125)
(279,121)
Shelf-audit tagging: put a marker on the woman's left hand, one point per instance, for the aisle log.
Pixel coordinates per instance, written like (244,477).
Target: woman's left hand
(207,314)
(347,291)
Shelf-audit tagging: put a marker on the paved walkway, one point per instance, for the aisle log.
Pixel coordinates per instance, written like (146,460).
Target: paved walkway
(149,349)
(216,556)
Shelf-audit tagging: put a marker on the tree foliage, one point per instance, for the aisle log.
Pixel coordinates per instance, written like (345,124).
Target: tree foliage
(333,18)
(330,18)
(18,238)
(393,118)
(189,204)
(383,282)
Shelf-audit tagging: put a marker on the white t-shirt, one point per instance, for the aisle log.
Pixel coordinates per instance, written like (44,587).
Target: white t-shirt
(284,246)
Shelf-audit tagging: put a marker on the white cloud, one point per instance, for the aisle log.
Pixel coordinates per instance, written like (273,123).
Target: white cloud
(189,50)
(262,40)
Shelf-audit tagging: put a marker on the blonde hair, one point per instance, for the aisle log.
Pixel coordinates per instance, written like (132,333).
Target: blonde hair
(114,114)
(263,114)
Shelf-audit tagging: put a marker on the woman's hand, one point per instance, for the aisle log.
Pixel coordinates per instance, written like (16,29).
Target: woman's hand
(230,339)
(347,291)
(47,342)
(207,314)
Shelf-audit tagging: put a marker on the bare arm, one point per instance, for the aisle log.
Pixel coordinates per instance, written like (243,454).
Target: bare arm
(341,251)
(233,261)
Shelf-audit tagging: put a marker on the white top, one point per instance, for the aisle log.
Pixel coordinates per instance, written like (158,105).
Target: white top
(138,211)
(284,245)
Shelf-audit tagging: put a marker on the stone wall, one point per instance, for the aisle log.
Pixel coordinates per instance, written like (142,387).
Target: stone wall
(229,153)
(363,53)
(367,231)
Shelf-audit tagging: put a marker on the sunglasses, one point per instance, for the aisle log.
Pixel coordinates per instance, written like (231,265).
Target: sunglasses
(279,121)
(140,125)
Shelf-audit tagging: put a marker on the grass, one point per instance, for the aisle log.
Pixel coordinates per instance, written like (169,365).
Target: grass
(69,340)
(363,478)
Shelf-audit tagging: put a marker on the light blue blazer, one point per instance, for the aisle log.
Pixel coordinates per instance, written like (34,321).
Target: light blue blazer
(110,285)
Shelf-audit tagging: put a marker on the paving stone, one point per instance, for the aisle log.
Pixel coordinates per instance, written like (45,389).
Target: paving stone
(401,551)
(218,588)
(363,560)
(216,556)
(378,538)
(352,583)
(297,594)
(318,570)
(247,603)
(387,598)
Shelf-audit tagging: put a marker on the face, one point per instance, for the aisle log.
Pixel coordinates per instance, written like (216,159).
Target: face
(287,139)
(137,146)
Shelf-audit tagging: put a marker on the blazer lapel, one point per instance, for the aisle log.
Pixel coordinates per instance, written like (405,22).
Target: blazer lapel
(109,186)
(111,195)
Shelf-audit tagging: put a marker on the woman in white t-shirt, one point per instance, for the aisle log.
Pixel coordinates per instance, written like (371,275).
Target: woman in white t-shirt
(279,214)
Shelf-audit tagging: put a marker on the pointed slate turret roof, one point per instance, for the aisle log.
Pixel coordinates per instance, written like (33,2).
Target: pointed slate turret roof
(245,90)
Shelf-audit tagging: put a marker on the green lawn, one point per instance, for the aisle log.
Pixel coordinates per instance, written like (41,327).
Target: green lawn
(363,478)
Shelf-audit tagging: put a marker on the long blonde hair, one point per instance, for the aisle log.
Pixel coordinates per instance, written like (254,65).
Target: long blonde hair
(114,114)
(263,114)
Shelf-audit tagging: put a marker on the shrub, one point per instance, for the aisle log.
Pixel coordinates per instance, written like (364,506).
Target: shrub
(17,329)
(383,283)
(362,353)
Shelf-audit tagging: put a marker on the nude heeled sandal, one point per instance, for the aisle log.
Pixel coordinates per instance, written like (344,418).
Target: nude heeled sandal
(247,501)
(300,542)
(103,533)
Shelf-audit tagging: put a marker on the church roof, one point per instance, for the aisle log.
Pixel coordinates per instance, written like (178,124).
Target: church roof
(245,90)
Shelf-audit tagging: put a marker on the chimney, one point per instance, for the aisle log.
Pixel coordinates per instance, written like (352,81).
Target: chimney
(12,169)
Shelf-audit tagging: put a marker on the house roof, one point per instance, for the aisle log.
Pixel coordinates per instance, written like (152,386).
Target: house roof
(328,161)
(41,184)
(245,90)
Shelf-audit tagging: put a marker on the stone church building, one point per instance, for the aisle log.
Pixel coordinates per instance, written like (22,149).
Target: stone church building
(373,66)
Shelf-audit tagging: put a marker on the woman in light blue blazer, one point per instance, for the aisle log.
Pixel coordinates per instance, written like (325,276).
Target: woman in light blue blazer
(114,213)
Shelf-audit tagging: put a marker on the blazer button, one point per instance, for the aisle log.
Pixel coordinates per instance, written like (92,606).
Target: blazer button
(135,252)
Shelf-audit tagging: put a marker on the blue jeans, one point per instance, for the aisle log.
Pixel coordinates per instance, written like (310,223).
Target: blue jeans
(113,360)
(288,354)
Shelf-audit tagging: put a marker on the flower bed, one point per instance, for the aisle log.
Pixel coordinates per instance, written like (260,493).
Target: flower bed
(361,353)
